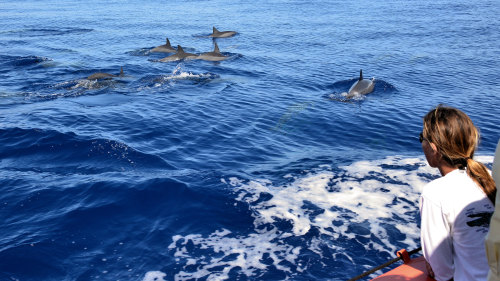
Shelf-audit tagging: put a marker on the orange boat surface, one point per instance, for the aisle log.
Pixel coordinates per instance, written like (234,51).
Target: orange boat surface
(411,270)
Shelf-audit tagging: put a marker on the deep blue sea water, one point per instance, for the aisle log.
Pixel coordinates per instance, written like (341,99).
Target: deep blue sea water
(253,168)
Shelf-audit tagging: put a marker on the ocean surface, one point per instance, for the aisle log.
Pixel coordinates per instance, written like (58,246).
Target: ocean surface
(252,168)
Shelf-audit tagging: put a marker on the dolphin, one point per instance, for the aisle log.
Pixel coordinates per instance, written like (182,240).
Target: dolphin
(213,56)
(221,34)
(361,87)
(179,55)
(104,76)
(167,48)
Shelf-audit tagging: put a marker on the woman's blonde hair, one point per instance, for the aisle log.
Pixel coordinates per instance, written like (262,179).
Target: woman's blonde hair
(456,139)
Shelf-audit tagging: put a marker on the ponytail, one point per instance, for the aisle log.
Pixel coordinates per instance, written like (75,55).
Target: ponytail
(456,139)
(479,173)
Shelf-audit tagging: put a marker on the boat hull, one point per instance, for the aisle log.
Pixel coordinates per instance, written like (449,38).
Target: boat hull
(413,270)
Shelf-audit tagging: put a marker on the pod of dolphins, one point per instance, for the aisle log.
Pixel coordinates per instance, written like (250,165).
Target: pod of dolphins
(360,87)
(179,53)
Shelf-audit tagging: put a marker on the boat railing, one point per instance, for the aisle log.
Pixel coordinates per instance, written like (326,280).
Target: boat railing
(402,255)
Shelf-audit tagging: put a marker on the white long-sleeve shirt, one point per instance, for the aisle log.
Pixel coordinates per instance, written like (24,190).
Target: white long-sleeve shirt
(493,238)
(455,215)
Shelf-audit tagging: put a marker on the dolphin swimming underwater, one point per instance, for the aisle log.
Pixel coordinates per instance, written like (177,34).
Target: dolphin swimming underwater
(179,55)
(221,34)
(213,56)
(167,48)
(361,87)
(104,76)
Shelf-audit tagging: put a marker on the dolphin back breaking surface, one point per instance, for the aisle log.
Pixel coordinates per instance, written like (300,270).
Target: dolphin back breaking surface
(179,55)
(361,86)
(216,55)
(166,48)
(103,75)
(221,34)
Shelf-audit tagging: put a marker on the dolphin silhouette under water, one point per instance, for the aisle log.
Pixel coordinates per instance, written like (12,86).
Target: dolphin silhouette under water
(361,87)
(213,56)
(221,34)
(104,76)
(179,55)
(166,48)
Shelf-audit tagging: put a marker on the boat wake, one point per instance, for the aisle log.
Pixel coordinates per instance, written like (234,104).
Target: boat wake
(372,206)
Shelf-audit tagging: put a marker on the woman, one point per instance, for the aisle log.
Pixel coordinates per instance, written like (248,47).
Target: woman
(456,208)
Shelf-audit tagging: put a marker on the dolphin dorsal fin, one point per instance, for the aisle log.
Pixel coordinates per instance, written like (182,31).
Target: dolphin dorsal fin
(360,74)
(168,43)
(216,48)
(179,49)
(121,71)
(215,30)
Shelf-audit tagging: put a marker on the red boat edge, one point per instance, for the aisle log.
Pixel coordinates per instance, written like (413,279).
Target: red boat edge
(412,270)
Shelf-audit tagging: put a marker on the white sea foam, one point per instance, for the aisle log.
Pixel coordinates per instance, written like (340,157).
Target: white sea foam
(90,84)
(379,195)
(154,276)
(179,74)
(246,253)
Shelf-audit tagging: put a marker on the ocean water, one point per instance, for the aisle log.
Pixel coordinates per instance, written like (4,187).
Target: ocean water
(252,168)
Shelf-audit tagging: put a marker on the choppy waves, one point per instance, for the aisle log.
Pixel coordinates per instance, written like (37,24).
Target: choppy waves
(35,149)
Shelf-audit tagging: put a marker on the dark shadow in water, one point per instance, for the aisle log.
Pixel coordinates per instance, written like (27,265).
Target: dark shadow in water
(12,63)
(40,32)
(72,88)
